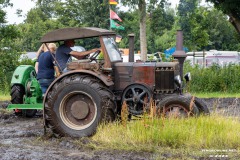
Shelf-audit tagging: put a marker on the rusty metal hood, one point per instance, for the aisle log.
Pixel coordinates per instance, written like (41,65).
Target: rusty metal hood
(74,33)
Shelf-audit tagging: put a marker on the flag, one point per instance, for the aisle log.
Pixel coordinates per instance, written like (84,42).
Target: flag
(113,2)
(115,25)
(114,15)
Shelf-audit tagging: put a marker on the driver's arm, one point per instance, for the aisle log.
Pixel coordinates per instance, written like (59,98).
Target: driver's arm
(80,55)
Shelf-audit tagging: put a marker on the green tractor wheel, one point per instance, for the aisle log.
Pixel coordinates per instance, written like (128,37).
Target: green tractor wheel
(17,94)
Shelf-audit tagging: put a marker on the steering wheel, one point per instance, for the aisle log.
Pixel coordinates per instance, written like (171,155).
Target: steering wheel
(94,55)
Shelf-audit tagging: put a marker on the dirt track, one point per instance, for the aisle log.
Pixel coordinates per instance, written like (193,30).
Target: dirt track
(22,138)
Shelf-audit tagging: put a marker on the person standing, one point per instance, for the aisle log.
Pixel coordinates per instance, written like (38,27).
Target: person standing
(42,49)
(46,72)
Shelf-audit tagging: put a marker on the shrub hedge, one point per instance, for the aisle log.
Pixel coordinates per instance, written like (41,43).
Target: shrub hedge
(215,78)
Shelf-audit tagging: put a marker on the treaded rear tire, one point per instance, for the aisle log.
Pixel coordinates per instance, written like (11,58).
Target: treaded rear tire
(71,90)
(17,94)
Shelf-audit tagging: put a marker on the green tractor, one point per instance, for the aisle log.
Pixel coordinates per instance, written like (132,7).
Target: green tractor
(26,94)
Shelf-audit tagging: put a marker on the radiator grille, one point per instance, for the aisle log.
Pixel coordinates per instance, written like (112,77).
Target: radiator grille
(164,80)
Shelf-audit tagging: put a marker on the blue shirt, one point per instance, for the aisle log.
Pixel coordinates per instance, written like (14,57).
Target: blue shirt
(63,56)
(45,66)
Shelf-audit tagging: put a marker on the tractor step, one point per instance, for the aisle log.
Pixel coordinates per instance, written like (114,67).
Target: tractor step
(25,106)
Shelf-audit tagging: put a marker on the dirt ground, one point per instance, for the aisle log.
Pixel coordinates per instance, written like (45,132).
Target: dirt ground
(23,139)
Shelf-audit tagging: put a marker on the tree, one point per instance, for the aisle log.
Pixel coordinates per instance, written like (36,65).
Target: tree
(94,13)
(142,18)
(130,19)
(36,25)
(190,19)
(231,8)
(8,48)
(161,21)
(222,35)
(47,7)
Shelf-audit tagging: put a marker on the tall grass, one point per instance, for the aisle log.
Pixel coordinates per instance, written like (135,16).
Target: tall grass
(204,132)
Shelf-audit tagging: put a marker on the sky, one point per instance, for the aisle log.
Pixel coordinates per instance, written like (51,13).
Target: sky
(26,5)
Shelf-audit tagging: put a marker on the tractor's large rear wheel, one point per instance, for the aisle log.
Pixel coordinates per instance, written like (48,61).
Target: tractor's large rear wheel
(17,93)
(177,106)
(76,105)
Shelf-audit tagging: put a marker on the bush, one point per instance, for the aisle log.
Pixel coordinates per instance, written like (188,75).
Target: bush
(214,79)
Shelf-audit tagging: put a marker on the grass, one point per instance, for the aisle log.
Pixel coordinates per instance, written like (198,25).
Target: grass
(186,136)
(4,97)
(198,133)
(217,95)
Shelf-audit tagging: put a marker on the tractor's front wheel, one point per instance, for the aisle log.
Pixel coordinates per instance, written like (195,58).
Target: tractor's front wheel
(17,93)
(177,106)
(76,105)
(202,106)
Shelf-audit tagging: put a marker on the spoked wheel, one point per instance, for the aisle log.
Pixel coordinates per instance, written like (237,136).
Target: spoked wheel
(76,105)
(177,107)
(136,97)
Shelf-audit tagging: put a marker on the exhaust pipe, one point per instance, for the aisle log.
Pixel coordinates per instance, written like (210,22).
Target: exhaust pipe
(131,48)
(180,54)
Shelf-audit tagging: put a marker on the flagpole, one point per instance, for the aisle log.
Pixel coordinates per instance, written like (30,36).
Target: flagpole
(109,16)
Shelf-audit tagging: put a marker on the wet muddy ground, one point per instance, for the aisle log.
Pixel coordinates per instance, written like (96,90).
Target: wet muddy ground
(24,139)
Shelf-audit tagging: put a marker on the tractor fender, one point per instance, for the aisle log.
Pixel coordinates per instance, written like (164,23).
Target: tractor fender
(21,74)
(108,82)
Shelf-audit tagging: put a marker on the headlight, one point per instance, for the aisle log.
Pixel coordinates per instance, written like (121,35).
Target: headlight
(178,81)
(187,76)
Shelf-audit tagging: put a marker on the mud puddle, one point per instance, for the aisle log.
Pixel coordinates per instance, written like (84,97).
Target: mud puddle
(24,139)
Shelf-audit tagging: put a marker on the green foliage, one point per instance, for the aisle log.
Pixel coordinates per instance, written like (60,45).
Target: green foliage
(216,95)
(3,4)
(227,6)
(32,32)
(214,79)
(222,35)
(92,13)
(130,22)
(190,19)
(167,40)
(8,63)
(9,55)
(160,23)
(27,61)
(8,49)
(231,8)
